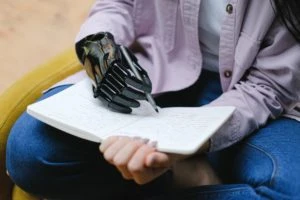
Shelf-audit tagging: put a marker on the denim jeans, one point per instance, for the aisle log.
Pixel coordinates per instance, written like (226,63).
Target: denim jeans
(49,163)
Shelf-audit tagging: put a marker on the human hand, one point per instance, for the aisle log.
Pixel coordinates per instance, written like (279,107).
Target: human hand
(114,83)
(136,159)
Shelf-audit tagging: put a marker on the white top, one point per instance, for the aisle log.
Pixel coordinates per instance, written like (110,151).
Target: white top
(210,20)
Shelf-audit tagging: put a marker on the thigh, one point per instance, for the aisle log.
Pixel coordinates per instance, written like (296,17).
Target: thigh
(269,159)
(265,165)
(48,162)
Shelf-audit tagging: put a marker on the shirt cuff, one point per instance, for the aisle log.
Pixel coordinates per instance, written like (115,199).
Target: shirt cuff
(227,135)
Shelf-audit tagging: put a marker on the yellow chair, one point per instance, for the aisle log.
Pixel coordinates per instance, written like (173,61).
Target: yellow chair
(14,100)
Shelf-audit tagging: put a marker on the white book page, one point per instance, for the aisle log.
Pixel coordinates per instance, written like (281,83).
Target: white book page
(176,129)
(180,130)
(76,111)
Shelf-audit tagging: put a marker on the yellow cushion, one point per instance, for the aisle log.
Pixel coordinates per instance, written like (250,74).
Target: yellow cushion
(23,92)
(19,194)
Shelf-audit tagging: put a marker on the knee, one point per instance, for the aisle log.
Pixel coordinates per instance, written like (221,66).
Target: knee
(24,173)
(23,162)
(28,156)
(253,166)
(266,173)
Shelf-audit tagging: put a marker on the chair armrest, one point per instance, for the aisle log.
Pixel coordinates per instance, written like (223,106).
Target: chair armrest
(26,90)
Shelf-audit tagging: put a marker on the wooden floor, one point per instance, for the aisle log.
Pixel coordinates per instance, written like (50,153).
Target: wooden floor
(33,31)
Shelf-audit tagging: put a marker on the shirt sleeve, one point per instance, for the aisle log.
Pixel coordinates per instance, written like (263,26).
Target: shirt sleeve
(270,88)
(114,16)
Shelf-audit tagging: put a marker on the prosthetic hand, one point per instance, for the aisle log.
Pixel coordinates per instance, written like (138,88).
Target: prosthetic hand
(114,82)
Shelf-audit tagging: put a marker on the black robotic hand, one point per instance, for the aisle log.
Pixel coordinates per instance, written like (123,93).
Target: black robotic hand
(114,83)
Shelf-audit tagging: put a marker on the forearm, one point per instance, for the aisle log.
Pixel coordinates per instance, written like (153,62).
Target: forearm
(255,105)
(269,88)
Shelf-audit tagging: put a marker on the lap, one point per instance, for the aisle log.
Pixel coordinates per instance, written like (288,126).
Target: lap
(263,166)
(48,162)
(271,157)
(55,162)
(268,160)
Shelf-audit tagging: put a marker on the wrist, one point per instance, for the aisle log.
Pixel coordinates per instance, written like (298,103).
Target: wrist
(79,46)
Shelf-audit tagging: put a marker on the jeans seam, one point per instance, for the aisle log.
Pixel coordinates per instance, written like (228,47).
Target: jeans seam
(274,171)
(221,191)
(240,190)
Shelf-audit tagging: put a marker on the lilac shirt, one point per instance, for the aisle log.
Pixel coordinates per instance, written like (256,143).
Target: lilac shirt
(259,60)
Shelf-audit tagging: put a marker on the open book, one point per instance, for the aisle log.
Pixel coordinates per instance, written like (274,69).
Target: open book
(179,130)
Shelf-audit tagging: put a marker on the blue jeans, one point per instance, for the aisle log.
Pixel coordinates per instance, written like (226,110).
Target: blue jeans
(49,163)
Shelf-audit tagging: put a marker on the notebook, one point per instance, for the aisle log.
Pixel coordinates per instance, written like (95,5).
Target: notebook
(181,130)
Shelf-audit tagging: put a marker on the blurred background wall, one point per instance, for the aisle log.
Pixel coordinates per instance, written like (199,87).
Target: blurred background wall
(33,31)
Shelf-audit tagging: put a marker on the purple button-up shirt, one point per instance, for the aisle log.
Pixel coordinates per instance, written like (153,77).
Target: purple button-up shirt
(259,60)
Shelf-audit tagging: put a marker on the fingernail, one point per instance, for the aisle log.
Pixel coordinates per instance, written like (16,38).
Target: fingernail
(137,138)
(153,144)
(145,140)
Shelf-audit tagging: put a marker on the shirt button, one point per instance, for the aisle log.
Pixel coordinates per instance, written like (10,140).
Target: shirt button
(228,74)
(229,8)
